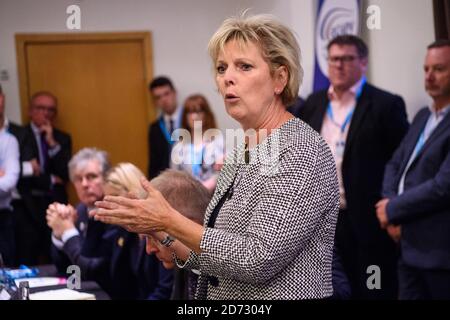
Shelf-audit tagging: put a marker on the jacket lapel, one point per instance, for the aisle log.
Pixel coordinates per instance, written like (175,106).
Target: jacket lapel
(443,125)
(226,179)
(362,108)
(411,144)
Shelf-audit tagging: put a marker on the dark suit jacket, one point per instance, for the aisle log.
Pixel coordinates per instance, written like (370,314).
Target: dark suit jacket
(378,125)
(159,150)
(57,166)
(90,250)
(423,210)
(136,275)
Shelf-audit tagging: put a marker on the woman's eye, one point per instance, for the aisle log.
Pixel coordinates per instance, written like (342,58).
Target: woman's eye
(246,67)
(220,69)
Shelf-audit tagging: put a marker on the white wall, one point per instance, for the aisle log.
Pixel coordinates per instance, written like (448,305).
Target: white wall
(182,28)
(397,51)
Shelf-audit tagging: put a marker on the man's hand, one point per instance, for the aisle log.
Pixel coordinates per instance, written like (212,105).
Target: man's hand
(36,167)
(2,172)
(394,232)
(381,213)
(61,218)
(48,130)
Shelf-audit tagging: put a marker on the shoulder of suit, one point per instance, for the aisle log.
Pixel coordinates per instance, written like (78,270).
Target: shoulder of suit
(299,137)
(317,95)
(380,93)
(425,111)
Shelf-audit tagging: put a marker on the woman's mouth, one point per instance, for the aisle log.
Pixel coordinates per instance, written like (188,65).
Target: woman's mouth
(231,98)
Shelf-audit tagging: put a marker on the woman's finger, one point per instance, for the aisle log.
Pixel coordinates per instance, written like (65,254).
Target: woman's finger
(123,201)
(116,213)
(113,220)
(147,186)
(106,205)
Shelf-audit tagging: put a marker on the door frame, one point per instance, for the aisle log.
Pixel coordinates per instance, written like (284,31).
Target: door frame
(25,39)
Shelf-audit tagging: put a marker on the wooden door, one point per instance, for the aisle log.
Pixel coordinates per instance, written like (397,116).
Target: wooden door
(100,81)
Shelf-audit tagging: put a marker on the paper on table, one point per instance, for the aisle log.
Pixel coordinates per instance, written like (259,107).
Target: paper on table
(61,294)
(42,281)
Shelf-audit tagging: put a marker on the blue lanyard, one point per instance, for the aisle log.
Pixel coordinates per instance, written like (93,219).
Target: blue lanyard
(164,130)
(349,116)
(196,161)
(420,143)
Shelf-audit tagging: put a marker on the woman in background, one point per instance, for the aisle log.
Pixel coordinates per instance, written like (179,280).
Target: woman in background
(201,152)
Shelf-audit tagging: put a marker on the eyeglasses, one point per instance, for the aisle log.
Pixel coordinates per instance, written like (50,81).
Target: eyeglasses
(49,109)
(344,59)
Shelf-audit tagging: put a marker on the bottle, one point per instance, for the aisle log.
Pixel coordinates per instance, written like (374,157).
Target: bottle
(24,290)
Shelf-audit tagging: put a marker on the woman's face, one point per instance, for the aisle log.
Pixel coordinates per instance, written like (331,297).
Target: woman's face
(195,115)
(245,83)
(163,253)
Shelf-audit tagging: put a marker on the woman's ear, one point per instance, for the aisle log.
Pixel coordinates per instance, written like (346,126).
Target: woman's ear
(281,79)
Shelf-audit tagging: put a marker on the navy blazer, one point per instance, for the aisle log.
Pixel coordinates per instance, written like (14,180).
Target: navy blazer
(136,275)
(90,250)
(58,166)
(423,210)
(159,150)
(378,126)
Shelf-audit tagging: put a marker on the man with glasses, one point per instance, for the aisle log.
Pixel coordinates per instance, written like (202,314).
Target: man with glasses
(46,152)
(363,126)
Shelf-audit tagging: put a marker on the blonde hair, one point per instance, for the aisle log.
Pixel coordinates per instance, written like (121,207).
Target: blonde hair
(184,193)
(277,42)
(126,177)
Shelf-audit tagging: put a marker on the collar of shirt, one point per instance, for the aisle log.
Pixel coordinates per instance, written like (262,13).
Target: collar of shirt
(350,93)
(174,117)
(441,113)
(35,129)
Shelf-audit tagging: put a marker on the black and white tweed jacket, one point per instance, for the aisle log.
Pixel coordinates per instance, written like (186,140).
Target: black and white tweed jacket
(273,239)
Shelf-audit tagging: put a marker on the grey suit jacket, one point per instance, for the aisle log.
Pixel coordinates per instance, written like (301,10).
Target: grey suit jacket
(273,239)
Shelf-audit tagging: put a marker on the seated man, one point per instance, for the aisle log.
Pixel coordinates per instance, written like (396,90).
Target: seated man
(190,198)
(77,239)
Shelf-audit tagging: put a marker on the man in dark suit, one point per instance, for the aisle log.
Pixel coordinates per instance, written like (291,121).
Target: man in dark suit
(135,274)
(45,152)
(363,125)
(77,239)
(416,189)
(160,131)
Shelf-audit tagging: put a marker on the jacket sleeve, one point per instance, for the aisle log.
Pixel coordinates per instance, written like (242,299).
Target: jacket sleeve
(163,287)
(294,201)
(432,195)
(395,124)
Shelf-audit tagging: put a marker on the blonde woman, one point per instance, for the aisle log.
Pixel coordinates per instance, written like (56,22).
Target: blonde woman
(134,274)
(269,229)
